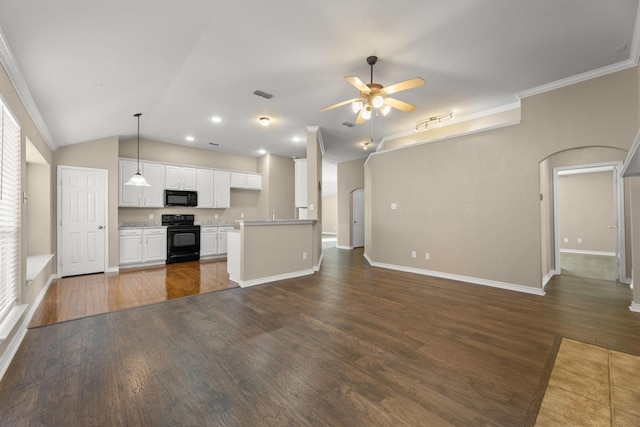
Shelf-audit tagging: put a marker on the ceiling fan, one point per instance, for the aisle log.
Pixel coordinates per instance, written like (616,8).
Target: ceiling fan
(374,96)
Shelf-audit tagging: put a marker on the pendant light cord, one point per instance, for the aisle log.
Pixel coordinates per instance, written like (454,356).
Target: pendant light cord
(138,116)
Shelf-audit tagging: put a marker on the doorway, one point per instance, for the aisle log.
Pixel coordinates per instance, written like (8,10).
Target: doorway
(82,218)
(357,218)
(589,221)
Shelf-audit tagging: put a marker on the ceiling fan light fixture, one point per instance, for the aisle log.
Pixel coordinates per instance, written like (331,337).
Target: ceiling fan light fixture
(356,106)
(377,101)
(385,110)
(264,121)
(366,113)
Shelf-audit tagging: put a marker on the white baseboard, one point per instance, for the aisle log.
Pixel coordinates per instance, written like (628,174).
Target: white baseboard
(634,307)
(578,251)
(112,270)
(344,247)
(548,277)
(460,278)
(14,344)
(262,280)
(317,267)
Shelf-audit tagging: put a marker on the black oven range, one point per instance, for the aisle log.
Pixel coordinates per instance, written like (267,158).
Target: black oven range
(183,238)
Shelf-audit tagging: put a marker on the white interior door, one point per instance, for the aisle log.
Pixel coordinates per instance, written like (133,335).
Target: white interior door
(82,220)
(357,230)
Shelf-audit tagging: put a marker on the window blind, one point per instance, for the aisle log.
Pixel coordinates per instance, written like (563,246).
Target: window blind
(9,210)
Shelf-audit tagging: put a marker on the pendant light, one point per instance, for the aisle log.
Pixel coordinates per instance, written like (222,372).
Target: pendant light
(137,179)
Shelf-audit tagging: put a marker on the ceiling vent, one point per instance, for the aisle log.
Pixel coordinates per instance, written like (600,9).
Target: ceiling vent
(348,124)
(215,144)
(262,94)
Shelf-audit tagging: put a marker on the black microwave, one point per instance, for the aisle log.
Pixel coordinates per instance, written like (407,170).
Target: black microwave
(180,198)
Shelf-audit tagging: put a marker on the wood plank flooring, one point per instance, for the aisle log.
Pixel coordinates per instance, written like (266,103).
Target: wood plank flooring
(80,296)
(352,345)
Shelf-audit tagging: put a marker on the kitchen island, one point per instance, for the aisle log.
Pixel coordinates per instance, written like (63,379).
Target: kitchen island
(263,251)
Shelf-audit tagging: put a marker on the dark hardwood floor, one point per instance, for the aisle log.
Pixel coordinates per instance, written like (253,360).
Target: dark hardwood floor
(351,345)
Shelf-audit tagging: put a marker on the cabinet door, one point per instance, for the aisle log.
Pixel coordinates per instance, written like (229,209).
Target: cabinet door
(189,181)
(129,194)
(208,242)
(238,180)
(222,242)
(154,245)
(254,181)
(222,192)
(301,183)
(205,188)
(172,177)
(153,197)
(130,249)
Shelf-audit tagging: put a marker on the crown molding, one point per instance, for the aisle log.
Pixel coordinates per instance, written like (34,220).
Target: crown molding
(10,65)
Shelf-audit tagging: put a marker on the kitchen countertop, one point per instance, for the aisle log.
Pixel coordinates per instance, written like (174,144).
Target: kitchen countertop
(125,225)
(246,222)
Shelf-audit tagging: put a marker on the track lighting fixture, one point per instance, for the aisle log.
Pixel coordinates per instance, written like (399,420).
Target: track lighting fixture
(425,123)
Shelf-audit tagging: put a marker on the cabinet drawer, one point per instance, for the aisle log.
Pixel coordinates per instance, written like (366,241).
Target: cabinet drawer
(208,229)
(132,232)
(154,231)
(225,229)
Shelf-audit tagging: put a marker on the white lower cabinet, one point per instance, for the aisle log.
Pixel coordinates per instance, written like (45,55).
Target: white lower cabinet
(208,241)
(143,245)
(213,240)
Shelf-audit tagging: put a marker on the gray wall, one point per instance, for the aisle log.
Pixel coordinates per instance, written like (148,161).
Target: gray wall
(473,202)
(585,210)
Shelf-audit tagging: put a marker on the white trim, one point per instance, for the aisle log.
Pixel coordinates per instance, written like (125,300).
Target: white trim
(260,281)
(14,344)
(635,307)
(481,114)
(630,156)
(344,247)
(317,267)
(460,278)
(138,265)
(578,251)
(330,234)
(578,78)
(112,270)
(12,319)
(547,277)
(8,61)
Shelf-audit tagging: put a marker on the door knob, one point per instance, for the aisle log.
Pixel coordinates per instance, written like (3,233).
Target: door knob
(612,227)
(100,227)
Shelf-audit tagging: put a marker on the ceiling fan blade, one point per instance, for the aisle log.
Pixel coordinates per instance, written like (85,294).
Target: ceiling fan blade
(340,104)
(400,105)
(359,84)
(408,84)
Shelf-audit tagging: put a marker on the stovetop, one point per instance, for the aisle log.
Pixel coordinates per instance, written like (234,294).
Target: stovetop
(177,219)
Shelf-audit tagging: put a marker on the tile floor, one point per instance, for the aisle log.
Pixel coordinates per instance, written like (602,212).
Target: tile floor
(591,386)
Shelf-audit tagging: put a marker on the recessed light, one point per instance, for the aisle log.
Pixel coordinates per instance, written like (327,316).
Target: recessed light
(262,151)
(296,139)
(264,121)
(190,138)
(216,119)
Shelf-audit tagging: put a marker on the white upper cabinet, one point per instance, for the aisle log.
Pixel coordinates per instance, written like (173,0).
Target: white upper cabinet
(221,189)
(301,183)
(205,179)
(247,181)
(132,196)
(180,178)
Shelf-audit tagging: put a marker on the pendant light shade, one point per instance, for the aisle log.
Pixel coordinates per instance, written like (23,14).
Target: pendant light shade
(137,179)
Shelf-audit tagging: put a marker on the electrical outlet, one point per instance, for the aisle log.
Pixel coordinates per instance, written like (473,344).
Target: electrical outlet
(394,206)
(304,255)
(242,215)
(566,240)
(413,254)
(426,255)
(312,207)
(579,240)
(150,216)
(215,216)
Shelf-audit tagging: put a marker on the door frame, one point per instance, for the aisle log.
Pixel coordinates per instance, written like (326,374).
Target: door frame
(105,173)
(618,194)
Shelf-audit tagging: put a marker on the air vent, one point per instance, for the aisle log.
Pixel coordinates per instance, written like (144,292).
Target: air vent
(263,94)
(215,144)
(348,124)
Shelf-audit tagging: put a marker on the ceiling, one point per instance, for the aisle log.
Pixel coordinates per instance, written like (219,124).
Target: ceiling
(90,65)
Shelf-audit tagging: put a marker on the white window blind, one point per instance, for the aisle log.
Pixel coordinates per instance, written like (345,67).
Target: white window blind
(9,210)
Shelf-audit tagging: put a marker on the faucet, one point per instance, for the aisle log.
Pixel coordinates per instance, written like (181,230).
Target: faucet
(273,214)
